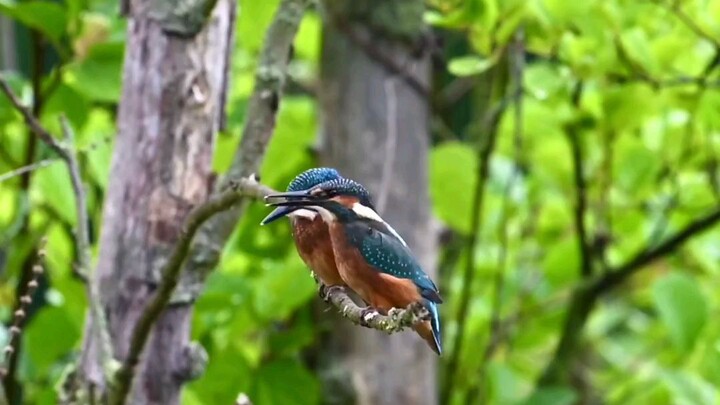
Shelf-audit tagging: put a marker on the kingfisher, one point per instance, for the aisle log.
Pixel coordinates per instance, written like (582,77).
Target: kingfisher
(371,257)
(309,232)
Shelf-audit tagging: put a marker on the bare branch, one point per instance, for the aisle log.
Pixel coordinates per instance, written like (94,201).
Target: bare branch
(170,275)
(573,135)
(201,256)
(26,169)
(587,294)
(82,239)
(488,127)
(32,121)
(82,244)
(396,320)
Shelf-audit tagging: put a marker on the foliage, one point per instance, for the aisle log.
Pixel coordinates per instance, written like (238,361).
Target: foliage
(646,124)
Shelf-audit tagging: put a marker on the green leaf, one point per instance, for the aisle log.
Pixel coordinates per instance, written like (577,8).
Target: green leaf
(562,262)
(45,16)
(682,308)
(68,101)
(289,146)
(470,65)
(52,335)
(689,389)
(285,382)
(253,20)
(552,396)
(52,186)
(453,172)
(225,366)
(98,75)
(282,288)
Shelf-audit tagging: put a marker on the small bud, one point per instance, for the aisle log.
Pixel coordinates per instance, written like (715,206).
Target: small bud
(37,269)
(25,299)
(33,284)
(9,350)
(19,314)
(14,330)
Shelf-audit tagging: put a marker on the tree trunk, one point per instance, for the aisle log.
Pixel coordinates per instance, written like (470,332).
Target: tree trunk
(172,105)
(375,130)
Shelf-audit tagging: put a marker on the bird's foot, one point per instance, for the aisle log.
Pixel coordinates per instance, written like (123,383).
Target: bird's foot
(366,315)
(326,291)
(322,291)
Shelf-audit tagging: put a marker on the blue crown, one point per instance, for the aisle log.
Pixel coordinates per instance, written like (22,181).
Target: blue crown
(313,177)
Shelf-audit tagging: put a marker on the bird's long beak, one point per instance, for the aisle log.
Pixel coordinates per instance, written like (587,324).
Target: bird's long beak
(286,203)
(278,213)
(273,199)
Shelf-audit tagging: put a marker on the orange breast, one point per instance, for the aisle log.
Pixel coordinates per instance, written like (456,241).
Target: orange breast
(379,290)
(313,244)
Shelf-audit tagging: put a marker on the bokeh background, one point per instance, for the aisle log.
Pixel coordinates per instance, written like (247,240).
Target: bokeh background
(570,140)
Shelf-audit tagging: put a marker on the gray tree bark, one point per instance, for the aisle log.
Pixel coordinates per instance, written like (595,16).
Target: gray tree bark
(375,129)
(172,105)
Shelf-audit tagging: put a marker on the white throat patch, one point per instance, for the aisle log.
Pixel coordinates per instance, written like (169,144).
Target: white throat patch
(326,215)
(303,213)
(369,213)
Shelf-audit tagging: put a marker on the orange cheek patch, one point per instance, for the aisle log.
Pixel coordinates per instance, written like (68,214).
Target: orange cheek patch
(346,201)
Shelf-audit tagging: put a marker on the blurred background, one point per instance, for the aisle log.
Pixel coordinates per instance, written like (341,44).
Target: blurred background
(554,162)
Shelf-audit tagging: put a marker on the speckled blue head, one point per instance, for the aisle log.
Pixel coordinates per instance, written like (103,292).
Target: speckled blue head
(346,187)
(313,177)
(303,181)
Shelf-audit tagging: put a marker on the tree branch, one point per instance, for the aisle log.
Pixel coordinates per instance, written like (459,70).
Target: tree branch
(490,121)
(621,273)
(170,276)
(586,295)
(496,334)
(573,135)
(82,239)
(396,320)
(199,256)
(26,169)
(33,122)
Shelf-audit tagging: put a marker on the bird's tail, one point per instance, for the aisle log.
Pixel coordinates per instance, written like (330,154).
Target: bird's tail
(430,330)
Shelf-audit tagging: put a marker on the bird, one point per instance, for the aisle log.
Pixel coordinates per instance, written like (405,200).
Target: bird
(371,257)
(309,231)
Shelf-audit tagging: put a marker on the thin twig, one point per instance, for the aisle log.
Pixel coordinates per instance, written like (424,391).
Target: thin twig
(516,58)
(32,121)
(692,25)
(26,169)
(580,209)
(83,265)
(489,125)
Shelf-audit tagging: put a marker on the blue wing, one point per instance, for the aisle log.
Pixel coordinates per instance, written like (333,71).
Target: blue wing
(389,254)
